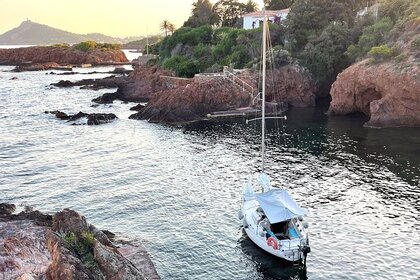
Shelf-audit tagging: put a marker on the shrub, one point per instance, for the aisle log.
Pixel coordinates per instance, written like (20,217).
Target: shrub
(183,66)
(87,239)
(92,45)
(86,46)
(373,35)
(382,52)
(81,246)
(416,44)
(62,45)
(281,56)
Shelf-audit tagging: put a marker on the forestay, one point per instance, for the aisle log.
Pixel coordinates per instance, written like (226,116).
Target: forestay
(278,206)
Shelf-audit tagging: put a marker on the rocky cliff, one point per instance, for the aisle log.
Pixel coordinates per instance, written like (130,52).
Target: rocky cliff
(175,100)
(386,91)
(65,247)
(184,100)
(60,55)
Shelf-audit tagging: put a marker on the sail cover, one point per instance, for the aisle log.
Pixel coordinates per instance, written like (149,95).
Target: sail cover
(278,205)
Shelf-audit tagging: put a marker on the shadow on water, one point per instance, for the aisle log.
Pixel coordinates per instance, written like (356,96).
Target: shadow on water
(269,266)
(311,130)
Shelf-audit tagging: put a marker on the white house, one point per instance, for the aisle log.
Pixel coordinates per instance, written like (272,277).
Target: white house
(372,10)
(253,20)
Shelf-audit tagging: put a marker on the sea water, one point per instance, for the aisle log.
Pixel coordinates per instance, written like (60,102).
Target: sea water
(178,189)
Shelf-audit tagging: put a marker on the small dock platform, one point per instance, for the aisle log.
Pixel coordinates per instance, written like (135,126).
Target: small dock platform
(244,112)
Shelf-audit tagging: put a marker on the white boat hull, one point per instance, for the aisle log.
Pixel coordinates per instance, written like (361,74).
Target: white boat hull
(289,250)
(292,255)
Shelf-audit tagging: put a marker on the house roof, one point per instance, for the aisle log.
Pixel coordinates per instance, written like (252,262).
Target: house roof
(267,12)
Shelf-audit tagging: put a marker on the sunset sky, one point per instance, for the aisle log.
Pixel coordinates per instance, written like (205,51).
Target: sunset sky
(116,18)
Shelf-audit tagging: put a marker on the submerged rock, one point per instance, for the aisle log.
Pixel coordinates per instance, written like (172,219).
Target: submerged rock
(95,84)
(137,108)
(92,119)
(107,98)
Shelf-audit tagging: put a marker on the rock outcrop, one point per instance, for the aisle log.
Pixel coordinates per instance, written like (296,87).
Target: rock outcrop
(185,100)
(65,248)
(174,100)
(48,55)
(96,84)
(91,119)
(388,92)
(193,101)
(388,96)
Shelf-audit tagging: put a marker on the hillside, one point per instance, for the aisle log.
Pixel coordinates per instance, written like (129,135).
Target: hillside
(32,33)
(141,44)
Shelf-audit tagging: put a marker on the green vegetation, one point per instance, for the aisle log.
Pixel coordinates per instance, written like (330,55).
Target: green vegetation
(382,52)
(205,49)
(416,44)
(325,56)
(62,45)
(182,65)
(92,45)
(226,13)
(325,36)
(82,247)
(278,4)
(167,27)
(372,35)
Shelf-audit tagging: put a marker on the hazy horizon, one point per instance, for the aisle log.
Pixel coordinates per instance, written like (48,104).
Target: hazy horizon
(124,18)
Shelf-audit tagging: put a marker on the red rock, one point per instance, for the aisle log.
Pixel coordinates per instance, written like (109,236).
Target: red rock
(22,249)
(61,56)
(388,92)
(114,265)
(185,100)
(64,265)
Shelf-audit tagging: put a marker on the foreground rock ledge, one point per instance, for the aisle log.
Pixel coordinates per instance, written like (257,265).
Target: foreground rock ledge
(65,246)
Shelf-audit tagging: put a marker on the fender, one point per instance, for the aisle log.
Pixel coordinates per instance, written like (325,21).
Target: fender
(271,241)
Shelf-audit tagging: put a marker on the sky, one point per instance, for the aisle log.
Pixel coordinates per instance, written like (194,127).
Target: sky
(120,18)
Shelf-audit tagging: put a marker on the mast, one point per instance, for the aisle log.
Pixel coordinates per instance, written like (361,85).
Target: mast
(264,70)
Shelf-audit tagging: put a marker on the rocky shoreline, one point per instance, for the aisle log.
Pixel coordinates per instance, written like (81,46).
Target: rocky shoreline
(64,246)
(174,100)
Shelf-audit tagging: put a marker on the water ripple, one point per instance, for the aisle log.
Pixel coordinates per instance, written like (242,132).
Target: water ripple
(178,189)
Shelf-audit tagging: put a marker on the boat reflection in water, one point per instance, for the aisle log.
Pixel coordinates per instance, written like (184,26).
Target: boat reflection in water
(267,266)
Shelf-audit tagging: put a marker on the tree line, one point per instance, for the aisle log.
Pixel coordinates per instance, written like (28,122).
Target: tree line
(325,36)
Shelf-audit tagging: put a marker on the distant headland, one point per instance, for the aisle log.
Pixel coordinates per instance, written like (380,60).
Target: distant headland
(32,33)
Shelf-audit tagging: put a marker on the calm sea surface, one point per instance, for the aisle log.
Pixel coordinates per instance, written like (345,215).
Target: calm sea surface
(178,189)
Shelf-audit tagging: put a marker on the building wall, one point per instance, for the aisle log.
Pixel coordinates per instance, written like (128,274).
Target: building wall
(249,20)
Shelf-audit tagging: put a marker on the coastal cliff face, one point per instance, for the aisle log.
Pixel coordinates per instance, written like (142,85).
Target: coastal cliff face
(388,92)
(65,247)
(185,100)
(193,101)
(60,55)
(390,98)
(176,100)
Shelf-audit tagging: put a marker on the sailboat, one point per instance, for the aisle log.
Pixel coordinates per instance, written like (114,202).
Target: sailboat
(271,218)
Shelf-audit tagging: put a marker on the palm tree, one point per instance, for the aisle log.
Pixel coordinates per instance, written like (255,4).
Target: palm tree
(171,28)
(167,26)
